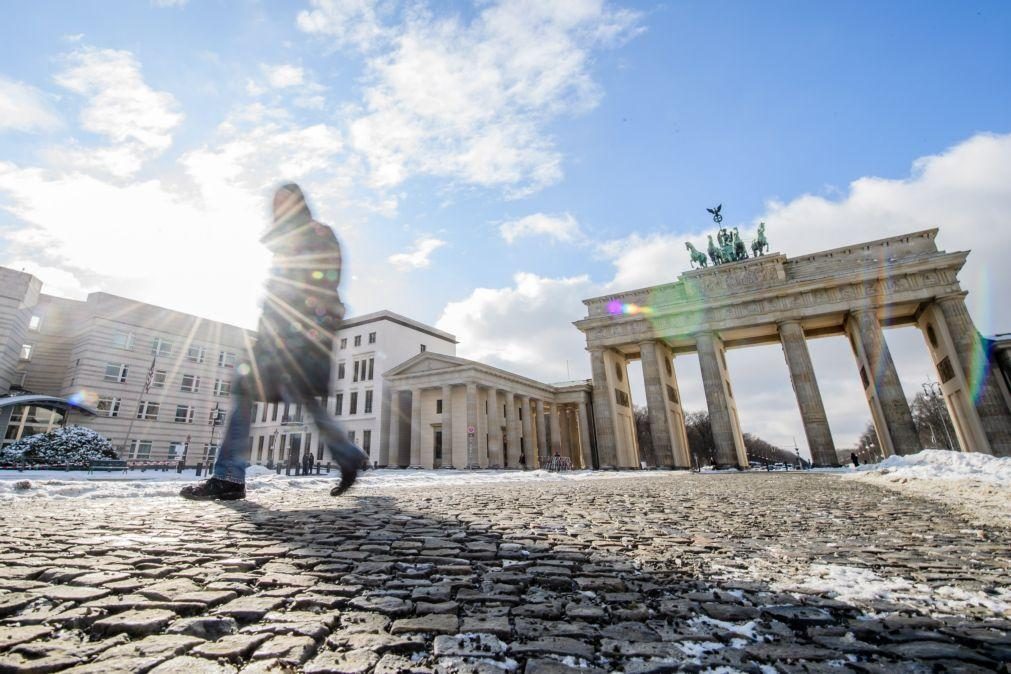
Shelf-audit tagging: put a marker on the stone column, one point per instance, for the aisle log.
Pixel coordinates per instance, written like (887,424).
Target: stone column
(556,430)
(390,420)
(495,456)
(565,434)
(542,433)
(894,422)
(719,399)
(805,386)
(529,443)
(603,413)
(656,403)
(512,431)
(416,428)
(393,456)
(447,427)
(585,450)
(472,443)
(983,380)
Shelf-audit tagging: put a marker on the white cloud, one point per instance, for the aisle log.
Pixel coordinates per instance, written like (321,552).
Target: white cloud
(120,106)
(169,3)
(25,108)
(470,101)
(558,227)
(526,328)
(283,75)
(348,22)
(419,258)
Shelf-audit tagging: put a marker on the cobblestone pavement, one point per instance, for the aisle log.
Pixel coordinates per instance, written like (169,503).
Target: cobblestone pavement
(646,574)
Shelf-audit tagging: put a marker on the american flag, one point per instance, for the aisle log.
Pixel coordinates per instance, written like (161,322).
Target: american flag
(150,376)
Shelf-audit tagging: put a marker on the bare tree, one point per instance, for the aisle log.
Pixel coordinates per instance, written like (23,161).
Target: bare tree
(642,434)
(933,425)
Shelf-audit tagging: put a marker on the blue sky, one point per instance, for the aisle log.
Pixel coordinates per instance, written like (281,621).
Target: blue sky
(488,165)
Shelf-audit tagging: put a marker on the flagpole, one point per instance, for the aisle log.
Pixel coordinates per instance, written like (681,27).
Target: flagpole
(143,392)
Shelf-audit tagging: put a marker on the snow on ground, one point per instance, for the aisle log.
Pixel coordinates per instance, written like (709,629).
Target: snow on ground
(858,586)
(978,485)
(152,483)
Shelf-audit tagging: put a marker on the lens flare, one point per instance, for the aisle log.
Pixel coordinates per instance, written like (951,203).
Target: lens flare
(616,308)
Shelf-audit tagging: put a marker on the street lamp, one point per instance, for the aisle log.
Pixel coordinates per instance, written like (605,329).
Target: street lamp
(215,419)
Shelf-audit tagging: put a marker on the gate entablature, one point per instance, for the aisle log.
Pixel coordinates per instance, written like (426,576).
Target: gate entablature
(852,290)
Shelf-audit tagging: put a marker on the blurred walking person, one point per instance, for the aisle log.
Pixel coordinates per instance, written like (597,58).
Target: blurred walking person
(290,362)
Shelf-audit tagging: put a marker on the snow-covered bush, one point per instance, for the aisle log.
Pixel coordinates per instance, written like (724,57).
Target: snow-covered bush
(75,445)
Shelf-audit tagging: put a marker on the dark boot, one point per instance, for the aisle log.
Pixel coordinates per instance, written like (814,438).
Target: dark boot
(214,490)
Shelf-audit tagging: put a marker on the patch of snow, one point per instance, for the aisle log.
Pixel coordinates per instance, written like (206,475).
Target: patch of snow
(977,485)
(746,630)
(156,483)
(857,586)
(697,649)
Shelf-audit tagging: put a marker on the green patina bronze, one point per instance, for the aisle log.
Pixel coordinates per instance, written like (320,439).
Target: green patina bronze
(728,247)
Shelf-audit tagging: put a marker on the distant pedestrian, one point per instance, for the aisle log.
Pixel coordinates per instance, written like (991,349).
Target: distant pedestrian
(855,459)
(290,361)
(523,460)
(307,463)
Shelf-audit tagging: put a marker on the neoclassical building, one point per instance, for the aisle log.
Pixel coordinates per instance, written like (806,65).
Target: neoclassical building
(441,411)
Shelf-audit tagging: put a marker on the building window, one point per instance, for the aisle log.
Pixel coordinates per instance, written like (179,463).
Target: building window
(353,406)
(424,348)
(190,384)
(210,451)
(358,340)
(368,402)
(158,379)
(122,340)
(263,418)
(148,410)
(140,449)
(339,404)
(195,354)
(372,338)
(115,372)
(216,417)
(366,440)
(109,406)
(356,371)
(341,370)
(226,359)
(438,406)
(26,352)
(222,387)
(259,450)
(35,321)
(184,414)
(351,437)
(273,411)
(344,342)
(161,347)
(372,364)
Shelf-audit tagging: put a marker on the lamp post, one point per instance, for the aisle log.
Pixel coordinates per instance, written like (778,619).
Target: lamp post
(215,418)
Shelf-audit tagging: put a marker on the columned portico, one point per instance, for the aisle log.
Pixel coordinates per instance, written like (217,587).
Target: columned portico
(495,453)
(389,452)
(805,386)
(556,429)
(565,433)
(584,435)
(889,409)
(727,437)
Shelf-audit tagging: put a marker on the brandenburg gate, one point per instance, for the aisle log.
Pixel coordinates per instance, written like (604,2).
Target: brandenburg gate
(855,290)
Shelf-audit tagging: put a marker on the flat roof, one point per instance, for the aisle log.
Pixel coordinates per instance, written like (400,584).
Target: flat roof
(387,315)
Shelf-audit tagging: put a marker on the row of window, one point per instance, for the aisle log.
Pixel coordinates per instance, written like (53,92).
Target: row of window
(364,370)
(358,340)
(149,410)
(160,346)
(296,415)
(143,450)
(189,383)
(293,450)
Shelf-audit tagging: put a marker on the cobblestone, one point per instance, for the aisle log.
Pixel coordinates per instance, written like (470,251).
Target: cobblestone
(675,572)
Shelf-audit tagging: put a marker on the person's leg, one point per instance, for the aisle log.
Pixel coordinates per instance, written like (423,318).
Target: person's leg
(233,455)
(347,456)
(228,481)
